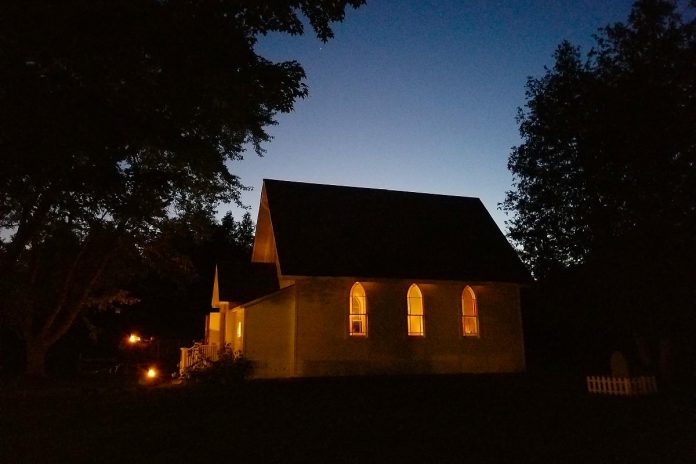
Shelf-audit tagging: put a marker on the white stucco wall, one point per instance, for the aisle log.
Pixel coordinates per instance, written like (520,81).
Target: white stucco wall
(268,334)
(319,308)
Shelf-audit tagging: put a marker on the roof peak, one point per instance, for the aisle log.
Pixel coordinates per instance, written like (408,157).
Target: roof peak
(368,189)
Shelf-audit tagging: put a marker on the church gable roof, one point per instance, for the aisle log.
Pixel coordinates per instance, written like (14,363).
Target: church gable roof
(238,282)
(326,230)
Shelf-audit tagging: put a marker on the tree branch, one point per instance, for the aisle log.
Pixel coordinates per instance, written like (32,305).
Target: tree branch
(73,311)
(26,230)
(67,287)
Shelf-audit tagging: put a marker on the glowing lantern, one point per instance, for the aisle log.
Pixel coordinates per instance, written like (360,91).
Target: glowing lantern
(151,373)
(133,338)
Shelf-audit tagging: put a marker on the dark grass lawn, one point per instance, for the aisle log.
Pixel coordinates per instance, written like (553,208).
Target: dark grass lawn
(476,419)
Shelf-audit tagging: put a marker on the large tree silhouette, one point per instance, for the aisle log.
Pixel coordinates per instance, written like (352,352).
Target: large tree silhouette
(605,176)
(116,117)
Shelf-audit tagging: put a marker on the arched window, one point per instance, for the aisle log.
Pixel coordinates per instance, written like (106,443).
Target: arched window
(357,319)
(470,325)
(416,323)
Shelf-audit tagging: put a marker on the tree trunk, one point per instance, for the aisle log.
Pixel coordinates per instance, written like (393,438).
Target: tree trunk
(36,358)
(666,360)
(645,353)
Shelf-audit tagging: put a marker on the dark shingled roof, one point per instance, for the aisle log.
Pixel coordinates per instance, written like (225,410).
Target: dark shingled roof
(246,282)
(326,230)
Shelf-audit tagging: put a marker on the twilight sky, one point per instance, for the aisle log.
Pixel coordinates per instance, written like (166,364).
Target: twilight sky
(418,95)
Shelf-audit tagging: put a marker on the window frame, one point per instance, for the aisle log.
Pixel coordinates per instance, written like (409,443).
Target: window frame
(468,316)
(354,316)
(410,316)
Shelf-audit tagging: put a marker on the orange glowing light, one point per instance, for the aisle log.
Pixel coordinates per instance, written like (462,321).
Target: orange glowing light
(151,373)
(415,314)
(357,320)
(133,338)
(469,313)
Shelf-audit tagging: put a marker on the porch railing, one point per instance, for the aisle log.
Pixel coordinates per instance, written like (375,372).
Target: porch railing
(196,354)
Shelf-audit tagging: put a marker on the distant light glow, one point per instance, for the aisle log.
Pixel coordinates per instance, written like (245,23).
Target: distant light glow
(133,338)
(151,373)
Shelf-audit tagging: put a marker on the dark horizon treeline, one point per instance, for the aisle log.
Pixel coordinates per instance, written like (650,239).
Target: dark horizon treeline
(604,202)
(169,296)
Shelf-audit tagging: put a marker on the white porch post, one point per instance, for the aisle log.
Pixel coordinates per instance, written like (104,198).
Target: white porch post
(223,324)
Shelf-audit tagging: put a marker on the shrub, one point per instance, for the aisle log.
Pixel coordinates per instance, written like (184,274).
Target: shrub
(230,368)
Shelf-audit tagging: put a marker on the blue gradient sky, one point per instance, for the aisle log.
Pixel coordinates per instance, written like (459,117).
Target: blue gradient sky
(418,95)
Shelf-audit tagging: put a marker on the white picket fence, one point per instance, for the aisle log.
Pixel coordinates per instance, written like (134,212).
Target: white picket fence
(197,353)
(622,385)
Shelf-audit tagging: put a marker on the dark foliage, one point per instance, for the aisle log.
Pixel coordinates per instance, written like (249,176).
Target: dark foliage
(604,180)
(174,287)
(609,145)
(230,369)
(115,118)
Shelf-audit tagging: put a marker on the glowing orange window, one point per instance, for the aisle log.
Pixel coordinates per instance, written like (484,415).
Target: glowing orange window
(357,318)
(470,323)
(415,312)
